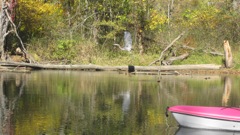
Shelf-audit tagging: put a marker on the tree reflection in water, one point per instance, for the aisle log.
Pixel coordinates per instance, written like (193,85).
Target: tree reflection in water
(11,89)
(126,99)
(227,90)
(73,102)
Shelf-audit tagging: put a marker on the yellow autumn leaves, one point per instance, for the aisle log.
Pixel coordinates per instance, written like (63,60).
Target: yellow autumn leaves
(34,15)
(157,20)
(205,16)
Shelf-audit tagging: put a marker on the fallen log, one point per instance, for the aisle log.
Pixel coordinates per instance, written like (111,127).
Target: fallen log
(111,68)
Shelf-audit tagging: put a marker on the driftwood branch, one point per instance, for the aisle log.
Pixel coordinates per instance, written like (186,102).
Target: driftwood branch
(214,53)
(170,45)
(172,59)
(188,47)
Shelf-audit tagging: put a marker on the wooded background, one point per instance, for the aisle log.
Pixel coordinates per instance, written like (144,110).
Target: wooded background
(82,30)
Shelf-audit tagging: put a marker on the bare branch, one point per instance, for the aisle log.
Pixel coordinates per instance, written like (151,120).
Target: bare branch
(170,45)
(4,36)
(16,33)
(187,47)
(172,59)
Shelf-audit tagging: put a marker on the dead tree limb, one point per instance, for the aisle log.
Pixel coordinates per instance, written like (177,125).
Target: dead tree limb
(172,59)
(14,30)
(214,53)
(170,45)
(188,47)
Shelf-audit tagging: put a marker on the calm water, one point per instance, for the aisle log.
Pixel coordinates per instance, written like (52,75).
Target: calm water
(103,103)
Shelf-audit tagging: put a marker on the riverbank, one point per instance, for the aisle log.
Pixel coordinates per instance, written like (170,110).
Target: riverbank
(191,69)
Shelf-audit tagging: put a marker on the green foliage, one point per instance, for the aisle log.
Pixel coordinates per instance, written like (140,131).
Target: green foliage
(37,18)
(114,26)
(236,59)
(202,58)
(64,50)
(95,25)
(204,16)
(157,20)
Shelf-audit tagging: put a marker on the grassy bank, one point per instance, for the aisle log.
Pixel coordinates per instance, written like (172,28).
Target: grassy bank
(85,52)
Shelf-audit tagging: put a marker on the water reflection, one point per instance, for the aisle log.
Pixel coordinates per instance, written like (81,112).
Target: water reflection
(125,97)
(11,89)
(227,90)
(189,131)
(73,102)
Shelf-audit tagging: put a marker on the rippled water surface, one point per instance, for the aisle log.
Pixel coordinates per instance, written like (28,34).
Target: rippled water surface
(104,103)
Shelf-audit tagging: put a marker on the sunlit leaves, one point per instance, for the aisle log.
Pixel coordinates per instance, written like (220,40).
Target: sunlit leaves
(64,50)
(157,20)
(204,16)
(36,17)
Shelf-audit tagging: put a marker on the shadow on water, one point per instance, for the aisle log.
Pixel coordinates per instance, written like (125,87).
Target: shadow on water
(89,103)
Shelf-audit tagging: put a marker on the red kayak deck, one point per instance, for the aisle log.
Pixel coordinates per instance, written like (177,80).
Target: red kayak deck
(224,113)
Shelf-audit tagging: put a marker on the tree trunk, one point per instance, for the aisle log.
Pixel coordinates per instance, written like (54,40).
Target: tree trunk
(4,23)
(95,28)
(227,54)
(7,15)
(140,41)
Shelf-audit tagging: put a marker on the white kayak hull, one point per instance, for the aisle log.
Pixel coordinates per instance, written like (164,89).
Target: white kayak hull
(191,121)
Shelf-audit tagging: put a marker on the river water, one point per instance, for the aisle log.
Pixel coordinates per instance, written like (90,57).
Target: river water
(104,103)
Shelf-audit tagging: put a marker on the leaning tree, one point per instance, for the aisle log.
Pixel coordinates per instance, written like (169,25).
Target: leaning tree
(7,26)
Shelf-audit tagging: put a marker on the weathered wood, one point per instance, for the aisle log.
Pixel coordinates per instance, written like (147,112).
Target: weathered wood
(227,54)
(188,47)
(113,68)
(155,73)
(216,53)
(172,59)
(170,45)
